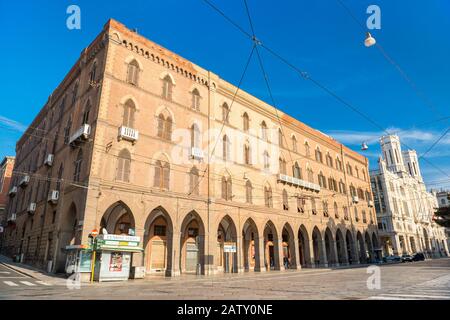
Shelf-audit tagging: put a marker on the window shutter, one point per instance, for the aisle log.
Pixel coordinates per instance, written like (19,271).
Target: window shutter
(160,125)
(126,170)
(157,175)
(119,175)
(166,175)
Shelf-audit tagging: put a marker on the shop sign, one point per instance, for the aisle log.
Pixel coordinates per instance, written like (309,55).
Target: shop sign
(229,247)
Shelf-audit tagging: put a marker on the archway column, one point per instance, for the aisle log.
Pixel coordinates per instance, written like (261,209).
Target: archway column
(344,251)
(138,257)
(313,257)
(323,254)
(334,253)
(259,254)
(298,265)
(174,270)
(240,254)
(279,247)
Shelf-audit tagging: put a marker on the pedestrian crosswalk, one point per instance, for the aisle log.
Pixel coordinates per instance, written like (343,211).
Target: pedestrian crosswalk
(436,289)
(22,283)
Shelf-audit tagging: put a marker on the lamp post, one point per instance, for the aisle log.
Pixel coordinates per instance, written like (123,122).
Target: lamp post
(94,234)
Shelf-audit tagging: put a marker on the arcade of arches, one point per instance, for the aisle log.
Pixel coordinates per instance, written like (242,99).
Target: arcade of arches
(172,248)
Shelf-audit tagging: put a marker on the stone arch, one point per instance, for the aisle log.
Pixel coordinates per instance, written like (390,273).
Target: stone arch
(350,247)
(369,248)
(128,97)
(158,242)
(341,248)
(192,244)
(70,234)
(118,219)
(271,247)
(317,246)
(376,246)
(251,249)
(361,248)
(132,58)
(226,232)
(304,247)
(288,247)
(163,75)
(330,247)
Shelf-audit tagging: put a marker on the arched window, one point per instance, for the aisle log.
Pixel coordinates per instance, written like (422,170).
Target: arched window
(313,206)
(329,160)
(307,149)
(193,181)
(364,217)
(128,114)
(246,122)
(336,211)
(325,208)
(77,166)
(123,166)
(226,148)
(352,190)
(356,214)
(67,130)
(345,213)
(195,100)
(75,92)
(93,72)
(225,112)
(338,164)
(133,72)
(280,138)
(322,180)
(349,169)
(297,171)
(162,174)
(226,188)
(342,187)
(87,108)
(247,154)
(264,135)
(294,144)
(268,197)
(248,192)
(285,200)
(266,160)
(300,205)
(165,127)
(357,171)
(319,155)
(310,175)
(195,136)
(167,87)
(282,164)
(60,175)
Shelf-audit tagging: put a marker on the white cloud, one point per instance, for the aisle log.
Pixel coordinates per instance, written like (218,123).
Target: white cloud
(12,124)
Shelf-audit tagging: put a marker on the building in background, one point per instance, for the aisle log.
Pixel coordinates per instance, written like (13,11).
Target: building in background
(443,199)
(6,168)
(404,208)
(125,144)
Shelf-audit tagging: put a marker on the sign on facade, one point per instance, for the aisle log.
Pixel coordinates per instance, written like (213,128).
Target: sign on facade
(229,247)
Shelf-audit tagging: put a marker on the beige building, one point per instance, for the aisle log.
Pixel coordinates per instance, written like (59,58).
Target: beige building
(6,168)
(138,140)
(404,208)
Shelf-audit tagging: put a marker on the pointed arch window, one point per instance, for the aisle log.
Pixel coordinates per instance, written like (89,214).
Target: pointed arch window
(165,127)
(307,149)
(75,92)
(129,110)
(300,205)
(264,135)
(268,197)
(280,138)
(167,87)
(248,192)
(193,181)
(245,122)
(313,206)
(297,171)
(162,175)
(123,166)
(225,113)
(345,213)
(266,160)
(319,155)
(92,74)
(87,108)
(195,136)
(336,211)
(294,144)
(227,188)
(226,148)
(285,200)
(282,164)
(325,208)
(310,175)
(77,166)
(247,154)
(196,99)
(133,72)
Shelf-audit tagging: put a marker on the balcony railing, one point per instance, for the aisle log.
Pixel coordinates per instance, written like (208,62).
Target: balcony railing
(81,134)
(25,180)
(12,192)
(197,153)
(298,182)
(127,133)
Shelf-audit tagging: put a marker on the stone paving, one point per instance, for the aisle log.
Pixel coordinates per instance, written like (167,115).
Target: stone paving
(419,280)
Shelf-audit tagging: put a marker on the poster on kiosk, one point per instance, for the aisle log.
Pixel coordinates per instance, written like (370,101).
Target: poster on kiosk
(114,255)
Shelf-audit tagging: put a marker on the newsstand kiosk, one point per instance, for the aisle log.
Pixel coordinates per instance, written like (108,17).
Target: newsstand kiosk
(79,260)
(113,256)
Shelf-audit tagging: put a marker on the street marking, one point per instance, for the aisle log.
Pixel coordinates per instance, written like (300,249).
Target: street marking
(28,283)
(43,283)
(5,272)
(10,283)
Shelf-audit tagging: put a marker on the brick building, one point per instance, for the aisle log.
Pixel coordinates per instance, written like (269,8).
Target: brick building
(6,168)
(138,140)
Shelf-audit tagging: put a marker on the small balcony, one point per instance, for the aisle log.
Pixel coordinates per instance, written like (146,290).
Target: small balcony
(355,199)
(31,208)
(49,160)
(197,153)
(24,181)
(12,192)
(298,182)
(129,134)
(53,196)
(82,134)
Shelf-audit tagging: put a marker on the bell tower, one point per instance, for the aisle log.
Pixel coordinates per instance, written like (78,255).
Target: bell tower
(392,153)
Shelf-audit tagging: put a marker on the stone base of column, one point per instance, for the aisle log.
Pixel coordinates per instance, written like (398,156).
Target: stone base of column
(173,273)
(241,270)
(262,269)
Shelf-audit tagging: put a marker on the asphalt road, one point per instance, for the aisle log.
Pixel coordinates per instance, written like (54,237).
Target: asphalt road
(418,280)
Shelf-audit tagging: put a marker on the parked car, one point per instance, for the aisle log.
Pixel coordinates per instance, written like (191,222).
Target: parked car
(407,258)
(392,258)
(419,256)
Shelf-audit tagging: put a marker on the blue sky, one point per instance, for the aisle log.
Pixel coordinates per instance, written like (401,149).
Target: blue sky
(318,36)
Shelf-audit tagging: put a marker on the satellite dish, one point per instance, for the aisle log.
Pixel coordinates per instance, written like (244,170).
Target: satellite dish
(364,146)
(104,231)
